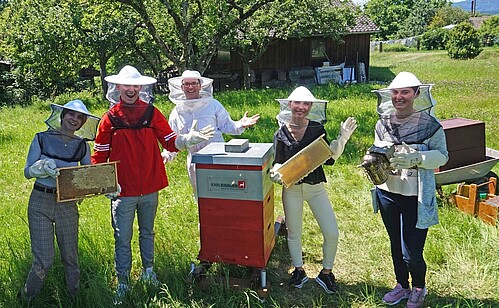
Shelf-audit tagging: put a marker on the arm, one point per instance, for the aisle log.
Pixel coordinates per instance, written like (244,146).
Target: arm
(437,155)
(102,144)
(34,154)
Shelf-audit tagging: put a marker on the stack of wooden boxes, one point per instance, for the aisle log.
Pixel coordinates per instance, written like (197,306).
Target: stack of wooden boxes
(465,142)
(483,205)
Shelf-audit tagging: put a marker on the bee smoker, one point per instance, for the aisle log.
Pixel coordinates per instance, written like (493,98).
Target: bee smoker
(376,163)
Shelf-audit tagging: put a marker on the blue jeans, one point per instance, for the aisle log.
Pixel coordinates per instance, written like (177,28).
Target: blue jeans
(400,214)
(122,216)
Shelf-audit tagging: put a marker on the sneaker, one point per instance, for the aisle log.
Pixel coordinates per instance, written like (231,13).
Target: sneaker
(298,278)
(396,295)
(417,297)
(328,282)
(120,293)
(149,276)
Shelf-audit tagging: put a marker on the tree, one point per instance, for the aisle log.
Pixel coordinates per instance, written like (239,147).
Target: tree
(489,31)
(448,15)
(463,42)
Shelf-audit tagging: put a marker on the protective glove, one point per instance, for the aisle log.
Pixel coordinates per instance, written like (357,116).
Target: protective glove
(193,136)
(51,168)
(168,156)
(114,195)
(346,130)
(406,158)
(37,170)
(275,176)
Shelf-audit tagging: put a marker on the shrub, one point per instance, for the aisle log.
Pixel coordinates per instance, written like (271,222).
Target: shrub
(434,39)
(463,42)
(395,48)
(489,31)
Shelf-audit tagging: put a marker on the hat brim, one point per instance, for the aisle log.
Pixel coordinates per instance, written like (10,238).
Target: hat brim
(287,100)
(177,81)
(141,81)
(73,109)
(393,88)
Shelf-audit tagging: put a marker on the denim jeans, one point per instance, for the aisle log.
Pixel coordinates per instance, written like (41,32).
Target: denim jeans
(400,214)
(122,216)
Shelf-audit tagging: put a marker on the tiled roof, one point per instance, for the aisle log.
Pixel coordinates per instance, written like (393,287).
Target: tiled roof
(364,25)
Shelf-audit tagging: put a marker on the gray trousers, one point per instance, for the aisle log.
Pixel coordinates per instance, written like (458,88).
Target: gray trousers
(46,217)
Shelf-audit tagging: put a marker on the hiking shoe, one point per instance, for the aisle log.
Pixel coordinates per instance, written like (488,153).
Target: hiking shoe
(396,295)
(417,297)
(298,278)
(328,282)
(149,276)
(120,293)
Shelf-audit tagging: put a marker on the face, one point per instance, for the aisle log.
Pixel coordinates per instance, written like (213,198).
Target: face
(403,100)
(129,94)
(300,110)
(72,121)
(191,88)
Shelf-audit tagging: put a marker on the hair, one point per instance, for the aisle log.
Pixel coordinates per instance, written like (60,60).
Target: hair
(65,111)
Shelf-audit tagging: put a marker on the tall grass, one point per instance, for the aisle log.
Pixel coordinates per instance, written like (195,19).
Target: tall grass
(462,252)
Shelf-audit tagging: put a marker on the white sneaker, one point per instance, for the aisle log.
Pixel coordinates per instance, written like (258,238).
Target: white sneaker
(149,276)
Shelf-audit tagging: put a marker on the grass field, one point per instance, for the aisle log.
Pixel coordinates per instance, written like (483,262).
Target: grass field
(462,253)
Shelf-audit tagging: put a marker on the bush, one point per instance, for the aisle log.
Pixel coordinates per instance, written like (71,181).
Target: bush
(489,31)
(463,42)
(395,48)
(434,39)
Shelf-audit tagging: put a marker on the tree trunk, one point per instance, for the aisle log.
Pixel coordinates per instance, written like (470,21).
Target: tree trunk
(246,75)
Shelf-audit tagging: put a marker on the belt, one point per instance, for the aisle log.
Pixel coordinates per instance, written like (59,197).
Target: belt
(44,189)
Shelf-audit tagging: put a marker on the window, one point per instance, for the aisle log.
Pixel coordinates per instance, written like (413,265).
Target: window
(318,48)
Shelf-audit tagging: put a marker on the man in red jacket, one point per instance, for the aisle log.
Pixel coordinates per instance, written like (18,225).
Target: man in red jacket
(129,133)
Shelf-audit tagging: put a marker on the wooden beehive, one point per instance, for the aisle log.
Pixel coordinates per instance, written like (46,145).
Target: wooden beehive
(484,207)
(74,183)
(304,162)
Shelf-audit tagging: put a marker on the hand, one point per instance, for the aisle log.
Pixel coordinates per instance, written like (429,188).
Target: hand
(276,176)
(347,128)
(168,156)
(50,168)
(37,170)
(406,158)
(115,194)
(247,122)
(194,137)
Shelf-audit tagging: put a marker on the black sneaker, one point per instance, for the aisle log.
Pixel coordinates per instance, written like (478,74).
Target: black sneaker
(328,282)
(298,278)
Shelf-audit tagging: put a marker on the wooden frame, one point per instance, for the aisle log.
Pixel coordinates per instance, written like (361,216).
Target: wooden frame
(74,183)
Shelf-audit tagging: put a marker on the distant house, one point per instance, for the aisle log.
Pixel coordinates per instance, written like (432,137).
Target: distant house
(302,60)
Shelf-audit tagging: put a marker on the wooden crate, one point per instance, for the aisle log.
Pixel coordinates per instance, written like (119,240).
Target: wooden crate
(484,207)
(465,142)
(74,183)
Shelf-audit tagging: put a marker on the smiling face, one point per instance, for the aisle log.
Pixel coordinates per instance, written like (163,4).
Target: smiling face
(72,121)
(299,111)
(191,88)
(129,94)
(403,100)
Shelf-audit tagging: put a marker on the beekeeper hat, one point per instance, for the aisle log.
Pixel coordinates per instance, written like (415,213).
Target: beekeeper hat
(129,75)
(301,94)
(405,80)
(188,74)
(88,129)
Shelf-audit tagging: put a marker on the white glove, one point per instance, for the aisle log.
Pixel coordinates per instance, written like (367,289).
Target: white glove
(193,136)
(168,156)
(37,170)
(275,176)
(346,130)
(406,158)
(113,195)
(51,168)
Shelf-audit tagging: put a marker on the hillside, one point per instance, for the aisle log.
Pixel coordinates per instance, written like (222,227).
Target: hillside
(485,7)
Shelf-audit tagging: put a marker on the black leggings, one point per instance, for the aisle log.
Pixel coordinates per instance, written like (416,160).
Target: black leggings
(400,214)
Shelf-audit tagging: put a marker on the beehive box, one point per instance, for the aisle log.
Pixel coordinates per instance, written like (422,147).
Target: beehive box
(465,142)
(483,205)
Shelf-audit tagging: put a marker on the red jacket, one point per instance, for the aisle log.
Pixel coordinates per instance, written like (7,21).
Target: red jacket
(129,134)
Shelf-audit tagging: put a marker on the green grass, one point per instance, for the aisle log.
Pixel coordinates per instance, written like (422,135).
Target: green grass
(462,252)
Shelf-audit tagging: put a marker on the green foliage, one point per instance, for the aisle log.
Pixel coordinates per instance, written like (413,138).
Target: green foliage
(395,48)
(448,15)
(489,31)
(463,42)
(434,39)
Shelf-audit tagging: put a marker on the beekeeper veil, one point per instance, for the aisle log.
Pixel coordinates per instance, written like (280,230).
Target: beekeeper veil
(177,95)
(129,75)
(301,94)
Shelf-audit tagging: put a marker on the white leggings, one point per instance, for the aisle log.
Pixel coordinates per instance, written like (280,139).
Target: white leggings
(317,198)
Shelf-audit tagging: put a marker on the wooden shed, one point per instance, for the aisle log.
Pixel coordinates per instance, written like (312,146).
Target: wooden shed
(301,60)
